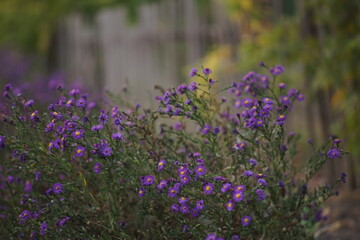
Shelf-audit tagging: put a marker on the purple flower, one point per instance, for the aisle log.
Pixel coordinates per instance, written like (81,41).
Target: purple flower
(292,92)
(57,188)
(80,151)
(262,182)
(300,97)
(248,103)
(182,200)
(37,175)
(200,170)
(200,204)
(252,162)
(334,153)
(230,205)
(81,103)
(182,89)
(245,221)
(117,136)
(97,127)
(147,180)
(343,177)
(193,86)
(210,237)
(97,167)
(216,130)
(174,207)
(162,184)
(238,196)
(78,134)
(2,142)
(226,187)
(70,102)
(207,71)
(248,173)
(235,237)
(25,215)
(240,146)
(185,179)
(206,129)
(208,188)
(74,92)
(161,165)
(281,120)
(195,212)
(193,72)
(62,222)
(240,188)
(172,192)
(282,85)
(141,192)
(29,103)
(237,104)
(260,194)
(43,228)
(28,186)
(103,118)
(277,70)
(285,100)
(106,151)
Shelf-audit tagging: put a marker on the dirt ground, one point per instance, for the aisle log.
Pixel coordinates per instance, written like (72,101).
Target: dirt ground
(343,221)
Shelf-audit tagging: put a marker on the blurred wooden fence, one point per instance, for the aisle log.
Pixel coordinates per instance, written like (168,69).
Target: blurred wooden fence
(110,52)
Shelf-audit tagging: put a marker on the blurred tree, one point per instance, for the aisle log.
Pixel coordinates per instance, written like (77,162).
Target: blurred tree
(319,42)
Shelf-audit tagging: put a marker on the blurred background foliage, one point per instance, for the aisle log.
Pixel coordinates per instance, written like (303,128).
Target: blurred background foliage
(318,42)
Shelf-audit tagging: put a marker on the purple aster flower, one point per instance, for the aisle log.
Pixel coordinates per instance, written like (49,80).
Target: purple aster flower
(260,194)
(49,126)
(182,89)
(106,151)
(240,146)
(81,103)
(185,179)
(172,192)
(34,117)
(37,175)
(29,103)
(252,162)
(193,86)
(285,100)
(174,207)
(161,165)
(208,188)
(248,103)
(43,228)
(74,92)
(62,222)
(343,177)
(70,102)
(97,167)
(97,127)
(230,205)
(211,81)
(207,71)
(80,151)
(277,70)
(300,97)
(103,118)
(235,237)
(200,204)
(281,120)
(200,170)
(216,130)
(2,142)
(206,129)
(28,186)
(78,134)
(193,72)
(182,200)
(334,153)
(25,215)
(219,178)
(147,180)
(238,196)
(248,173)
(282,85)
(267,100)
(240,188)
(141,192)
(211,237)
(238,104)
(262,182)
(281,184)
(117,136)
(245,221)
(226,187)
(292,92)
(195,212)
(162,184)
(57,188)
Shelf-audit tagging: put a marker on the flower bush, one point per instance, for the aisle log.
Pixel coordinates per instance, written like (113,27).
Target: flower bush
(200,166)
